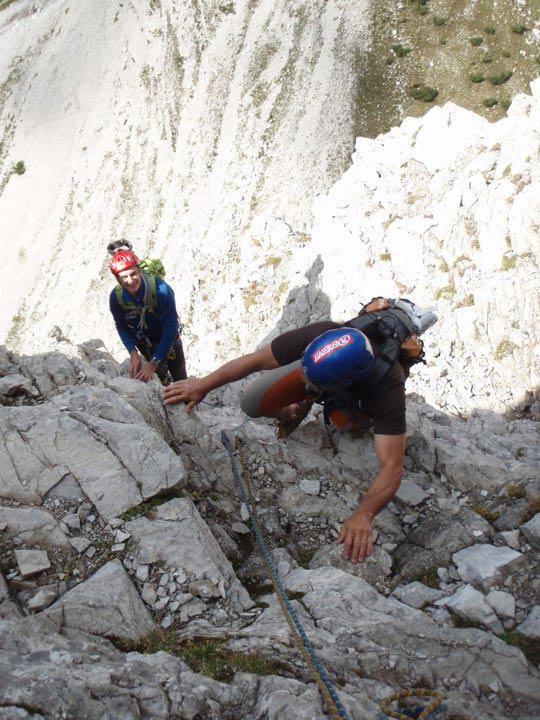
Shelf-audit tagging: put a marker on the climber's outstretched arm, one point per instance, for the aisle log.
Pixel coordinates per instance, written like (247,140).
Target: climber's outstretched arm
(193,390)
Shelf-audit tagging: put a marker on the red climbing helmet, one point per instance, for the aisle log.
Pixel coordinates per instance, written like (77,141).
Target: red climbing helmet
(122,260)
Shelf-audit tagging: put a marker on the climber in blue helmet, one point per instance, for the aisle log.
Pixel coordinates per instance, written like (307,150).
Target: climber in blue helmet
(357,370)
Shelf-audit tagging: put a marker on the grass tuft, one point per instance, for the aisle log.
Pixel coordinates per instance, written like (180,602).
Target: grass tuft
(501,77)
(207,657)
(423,92)
(477,77)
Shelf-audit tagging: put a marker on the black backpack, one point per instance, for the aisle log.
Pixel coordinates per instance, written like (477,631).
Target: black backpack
(397,325)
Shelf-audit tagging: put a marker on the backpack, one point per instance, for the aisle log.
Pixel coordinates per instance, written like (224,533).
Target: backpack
(398,324)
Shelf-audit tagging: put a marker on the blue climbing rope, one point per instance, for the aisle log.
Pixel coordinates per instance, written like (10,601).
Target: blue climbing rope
(318,671)
(320,675)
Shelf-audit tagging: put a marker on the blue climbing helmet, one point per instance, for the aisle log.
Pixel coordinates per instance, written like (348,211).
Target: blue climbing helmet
(337,358)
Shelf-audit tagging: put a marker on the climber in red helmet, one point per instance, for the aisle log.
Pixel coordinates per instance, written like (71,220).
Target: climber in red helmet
(144,311)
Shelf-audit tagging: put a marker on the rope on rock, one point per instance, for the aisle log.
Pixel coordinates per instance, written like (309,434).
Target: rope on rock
(336,710)
(328,692)
(406,711)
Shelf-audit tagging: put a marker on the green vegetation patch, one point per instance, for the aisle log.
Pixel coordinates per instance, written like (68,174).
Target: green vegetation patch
(519,29)
(5,3)
(509,262)
(515,491)
(504,348)
(501,77)
(490,102)
(149,505)
(445,292)
(530,648)
(207,657)
(477,77)
(467,301)
(400,50)
(19,168)
(485,512)
(422,92)
(428,576)
(476,41)
(439,21)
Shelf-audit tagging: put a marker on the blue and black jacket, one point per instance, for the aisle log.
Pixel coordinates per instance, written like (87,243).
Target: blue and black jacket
(160,320)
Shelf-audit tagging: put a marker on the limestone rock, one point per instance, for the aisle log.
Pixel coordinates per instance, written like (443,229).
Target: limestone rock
(503,603)
(530,628)
(472,606)
(179,538)
(417,595)
(483,565)
(32,562)
(106,604)
(531,530)
(374,568)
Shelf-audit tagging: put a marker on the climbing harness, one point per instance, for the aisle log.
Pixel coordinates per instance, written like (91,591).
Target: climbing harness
(406,711)
(328,692)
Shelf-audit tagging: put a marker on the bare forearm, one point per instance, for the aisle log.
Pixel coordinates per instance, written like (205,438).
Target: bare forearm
(381,491)
(234,370)
(193,390)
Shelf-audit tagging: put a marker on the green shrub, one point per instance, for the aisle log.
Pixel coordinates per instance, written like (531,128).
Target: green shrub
(467,301)
(509,262)
(400,50)
(487,59)
(477,77)
(519,29)
(490,30)
(506,54)
(423,92)
(439,21)
(385,257)
(504,348)
(448,292)
(476,41)
(529,647)
(490,102)
(485,512)
(207,657)
(501,77)
(19,168)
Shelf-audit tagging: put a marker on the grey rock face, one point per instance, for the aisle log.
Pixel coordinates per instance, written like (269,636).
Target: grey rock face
(33,526)
(436,539)
(530,628)
(417,595)
(531,530)
(181,576)
(472,606)
(374,568)
(32,562)
(107,604)
(483,565)
(179,538)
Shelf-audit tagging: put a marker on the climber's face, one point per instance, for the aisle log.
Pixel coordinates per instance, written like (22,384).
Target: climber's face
(130,279)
